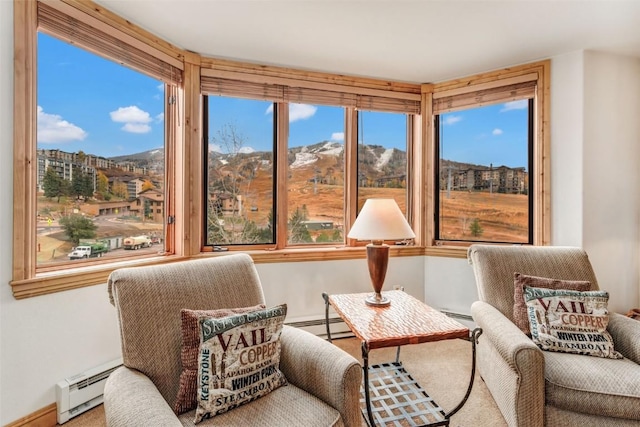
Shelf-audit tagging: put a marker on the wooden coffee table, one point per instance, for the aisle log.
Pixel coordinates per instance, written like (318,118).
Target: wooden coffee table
(390,395)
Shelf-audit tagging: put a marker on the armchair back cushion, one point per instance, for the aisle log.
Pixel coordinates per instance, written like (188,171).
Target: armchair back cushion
(149,301)
(494,268)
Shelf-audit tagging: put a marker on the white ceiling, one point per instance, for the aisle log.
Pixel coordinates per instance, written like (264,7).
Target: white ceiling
(404,40)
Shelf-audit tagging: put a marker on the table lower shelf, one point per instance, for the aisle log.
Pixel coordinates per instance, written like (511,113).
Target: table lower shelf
(398,400)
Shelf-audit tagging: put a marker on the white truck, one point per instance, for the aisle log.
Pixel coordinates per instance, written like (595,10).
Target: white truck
(136,242)
(89,250)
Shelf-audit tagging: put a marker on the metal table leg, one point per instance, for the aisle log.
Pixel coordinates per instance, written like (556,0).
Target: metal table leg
(367,398)
(475,334)
(325,296)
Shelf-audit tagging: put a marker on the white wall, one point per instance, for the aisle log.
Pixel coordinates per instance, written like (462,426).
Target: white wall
(46,338)
(449,284)
(611,149)
(567,111)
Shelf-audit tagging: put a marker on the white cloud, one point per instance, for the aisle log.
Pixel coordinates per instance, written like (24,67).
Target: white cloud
(296,111)
(160,118)
(52,128)
(301,112)
(246,150)
(130,114)
(449,120)
(337,136)
(161,87)
(135,119)
(136,128)
(515,105)
(497,131)
(215,148)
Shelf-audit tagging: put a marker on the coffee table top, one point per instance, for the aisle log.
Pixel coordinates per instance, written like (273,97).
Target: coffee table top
(406,321)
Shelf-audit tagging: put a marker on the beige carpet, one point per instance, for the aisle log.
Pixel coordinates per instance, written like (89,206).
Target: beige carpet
(442,368)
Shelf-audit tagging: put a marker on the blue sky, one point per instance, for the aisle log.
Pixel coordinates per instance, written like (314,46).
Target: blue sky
(492,134)
(95,105)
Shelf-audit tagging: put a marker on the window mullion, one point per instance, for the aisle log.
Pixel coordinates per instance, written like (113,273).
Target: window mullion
(282,141)
(351,171)
(426,173)
(415,176)
(24,134)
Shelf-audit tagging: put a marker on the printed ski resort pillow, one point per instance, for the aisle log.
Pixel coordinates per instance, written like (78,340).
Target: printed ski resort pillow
(570,321)
(238,359)
(186,399)
(520,313)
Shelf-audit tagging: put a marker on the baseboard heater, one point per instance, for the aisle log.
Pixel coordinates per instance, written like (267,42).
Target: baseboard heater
(463,318)
(317,326)
(81,392)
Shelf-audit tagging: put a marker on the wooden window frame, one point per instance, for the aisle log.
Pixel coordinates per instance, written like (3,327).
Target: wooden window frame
(184,158)
(284,86)
(27,278)
(281,171)
(476,91)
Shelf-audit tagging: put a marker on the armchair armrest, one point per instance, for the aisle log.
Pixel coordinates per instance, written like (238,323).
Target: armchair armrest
(324,370)
(514,346)
(132,400)
(512,367)
(625,332)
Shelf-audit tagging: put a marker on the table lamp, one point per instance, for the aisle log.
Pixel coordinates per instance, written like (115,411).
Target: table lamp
(379,220)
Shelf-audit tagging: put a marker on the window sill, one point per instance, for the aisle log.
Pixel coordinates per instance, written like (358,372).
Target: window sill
(63,280)
(447,251)
(316,254)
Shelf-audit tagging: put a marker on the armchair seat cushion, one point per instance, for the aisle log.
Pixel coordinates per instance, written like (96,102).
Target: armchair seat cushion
(593,385)
(285,406)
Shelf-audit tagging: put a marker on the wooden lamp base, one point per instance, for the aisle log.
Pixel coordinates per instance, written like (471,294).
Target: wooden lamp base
(377,261)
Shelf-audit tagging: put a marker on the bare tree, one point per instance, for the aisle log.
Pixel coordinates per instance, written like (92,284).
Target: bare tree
(231,172)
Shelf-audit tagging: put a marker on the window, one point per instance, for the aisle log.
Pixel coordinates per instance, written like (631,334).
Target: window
(84,89)
(100,151)
(280,113)
(315,175)
(296,170)
(240,171)
(382,157)
(490,169)
(483,174)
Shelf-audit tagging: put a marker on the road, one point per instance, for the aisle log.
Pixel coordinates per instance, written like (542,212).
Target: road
(52,248)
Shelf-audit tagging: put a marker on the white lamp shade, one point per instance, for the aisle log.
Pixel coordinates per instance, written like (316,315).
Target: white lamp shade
(380,219)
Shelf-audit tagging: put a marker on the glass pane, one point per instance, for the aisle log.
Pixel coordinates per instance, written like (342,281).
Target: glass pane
(240,171)
(100,153)
(382,157)
(484,174)
(315,186)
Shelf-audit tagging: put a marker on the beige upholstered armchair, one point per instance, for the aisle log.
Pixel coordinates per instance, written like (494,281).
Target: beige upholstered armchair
(533,387)
(324,381)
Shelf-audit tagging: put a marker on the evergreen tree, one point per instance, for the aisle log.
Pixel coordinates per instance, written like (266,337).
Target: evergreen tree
(78,227)
(475,228)
(54,185)
(323,238)
(298,232)
(265,235)
(82,185)
(148,212)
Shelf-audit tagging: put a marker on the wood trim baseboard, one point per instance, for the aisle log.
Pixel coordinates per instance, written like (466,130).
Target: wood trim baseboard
(45,417)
